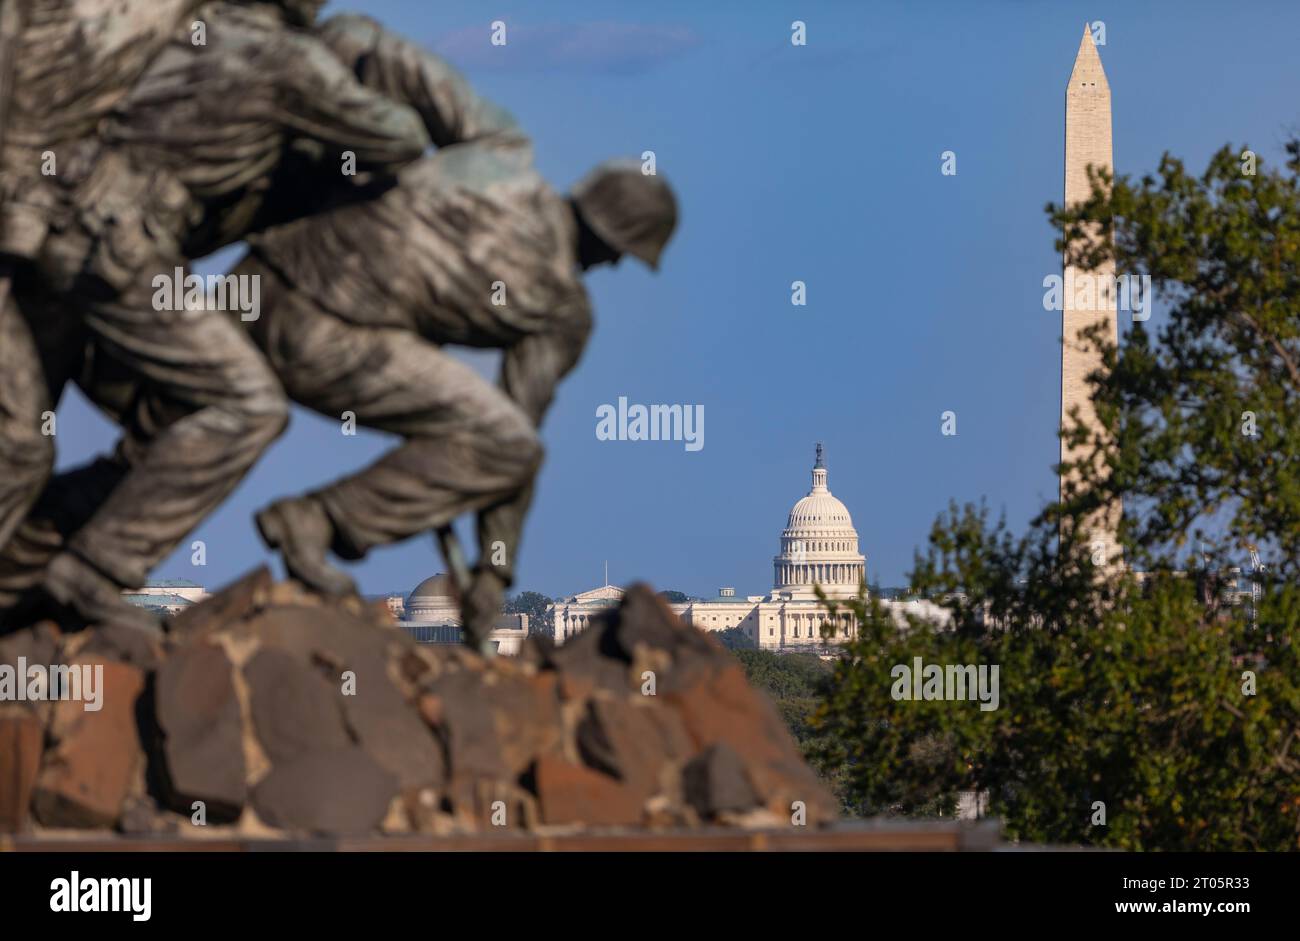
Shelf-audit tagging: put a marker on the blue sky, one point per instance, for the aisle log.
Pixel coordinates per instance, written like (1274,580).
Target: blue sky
(819,163)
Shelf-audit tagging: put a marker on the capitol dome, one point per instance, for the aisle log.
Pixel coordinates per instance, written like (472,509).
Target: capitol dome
(819,545)
(433,600)
(818,511)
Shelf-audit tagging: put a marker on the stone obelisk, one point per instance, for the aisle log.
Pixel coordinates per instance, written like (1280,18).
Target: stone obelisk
(1089,296)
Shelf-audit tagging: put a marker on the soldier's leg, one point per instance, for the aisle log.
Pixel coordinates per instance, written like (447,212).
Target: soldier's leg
(65,505)
(26,453)
(499,529)
(48,354)
(467,445)
(223,408)
(71,497)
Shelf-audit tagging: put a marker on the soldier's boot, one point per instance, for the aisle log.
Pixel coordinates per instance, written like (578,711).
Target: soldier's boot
(302,531)
(481,606)
(93,597)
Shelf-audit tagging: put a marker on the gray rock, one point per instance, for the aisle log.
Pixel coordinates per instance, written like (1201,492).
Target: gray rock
(716,781)
(126,644)
(238,600)
(389,728)
(296,711)
(340,792)
(199,755)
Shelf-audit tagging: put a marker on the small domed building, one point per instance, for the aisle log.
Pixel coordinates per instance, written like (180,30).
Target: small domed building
(431,614)
(433,601)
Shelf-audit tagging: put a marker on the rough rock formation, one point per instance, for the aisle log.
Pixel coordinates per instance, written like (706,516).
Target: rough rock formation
(268,711)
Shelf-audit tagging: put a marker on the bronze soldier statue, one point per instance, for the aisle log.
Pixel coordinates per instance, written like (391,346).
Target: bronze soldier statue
(472,248)
(58,79)
(185,160)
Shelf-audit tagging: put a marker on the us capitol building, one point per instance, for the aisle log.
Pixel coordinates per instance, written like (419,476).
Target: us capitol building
(819,547)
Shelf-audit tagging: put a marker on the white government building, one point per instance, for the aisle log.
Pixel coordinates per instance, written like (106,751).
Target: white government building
(431,614)
(819,547)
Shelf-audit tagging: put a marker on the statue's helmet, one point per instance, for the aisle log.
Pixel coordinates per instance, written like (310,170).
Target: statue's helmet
(633,212)
(301,12)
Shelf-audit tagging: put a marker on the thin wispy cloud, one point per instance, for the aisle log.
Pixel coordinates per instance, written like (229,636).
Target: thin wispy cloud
(605,46)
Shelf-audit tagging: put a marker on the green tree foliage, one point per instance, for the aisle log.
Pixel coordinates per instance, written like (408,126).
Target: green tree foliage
(735,638)
(1142,706)
(1204,414)
(534,605)
(796,684)
(1147,695)
(675,597)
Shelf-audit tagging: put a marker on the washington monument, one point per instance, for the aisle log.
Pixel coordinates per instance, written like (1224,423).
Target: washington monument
(1087,143)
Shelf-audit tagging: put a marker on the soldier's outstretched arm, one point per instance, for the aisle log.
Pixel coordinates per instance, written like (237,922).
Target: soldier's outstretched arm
(530,371)
(398,68)
(533,367)
(325,103)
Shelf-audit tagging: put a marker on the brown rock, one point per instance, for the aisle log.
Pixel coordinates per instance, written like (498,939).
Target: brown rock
(630,742)
(672,731)
(642,633)
(295,710)
(430,707)
(584,665)
(781,784)
(389,728)
(575,688)
(716,782)
(536,650)
(468,727)
(424,812)
(490,804)
(141,816)
(315,631)
(379,614)
(21,738)
(294,594)
(569,793)
(237,601)
(86,776)
(328,642)
(125,644)
(200,755)
(526,710)
(644,619)
(337,792)
(413,671)
(37,644)
(433,740)
(723,708)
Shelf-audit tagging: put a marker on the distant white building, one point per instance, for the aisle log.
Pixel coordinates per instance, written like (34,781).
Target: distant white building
(431,615)
(167,595)
(573,614)
(819,548)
